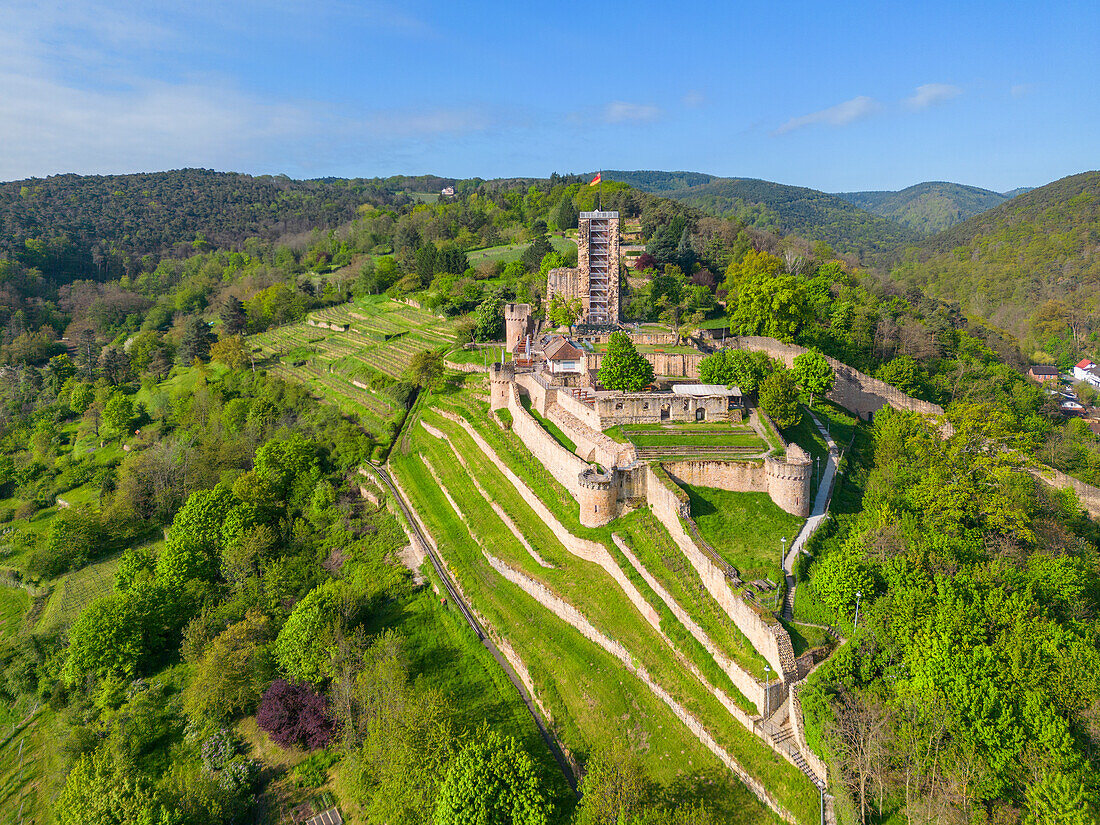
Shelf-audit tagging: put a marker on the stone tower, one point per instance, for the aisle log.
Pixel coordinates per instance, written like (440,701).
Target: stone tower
(789,480)
(598,266)
(597,495)
(501,377)
(517,324)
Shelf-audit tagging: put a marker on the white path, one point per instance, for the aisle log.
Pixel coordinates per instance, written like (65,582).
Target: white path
(817,515)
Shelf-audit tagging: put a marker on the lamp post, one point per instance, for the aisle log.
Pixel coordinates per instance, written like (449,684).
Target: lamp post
(767,691)
(855,624)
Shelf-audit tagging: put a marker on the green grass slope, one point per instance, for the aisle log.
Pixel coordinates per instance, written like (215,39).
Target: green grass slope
(927,207)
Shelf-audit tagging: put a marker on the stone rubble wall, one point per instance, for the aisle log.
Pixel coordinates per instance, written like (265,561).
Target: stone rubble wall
(1089,495)
(673,364)
(669,509)
(457,367)
(569,614)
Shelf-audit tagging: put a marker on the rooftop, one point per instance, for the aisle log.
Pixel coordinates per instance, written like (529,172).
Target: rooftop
(703,390)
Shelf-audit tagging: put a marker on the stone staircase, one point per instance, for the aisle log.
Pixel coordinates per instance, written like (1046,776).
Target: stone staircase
(783,740)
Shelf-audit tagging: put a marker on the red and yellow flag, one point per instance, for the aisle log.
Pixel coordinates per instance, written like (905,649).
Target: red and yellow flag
(595,180)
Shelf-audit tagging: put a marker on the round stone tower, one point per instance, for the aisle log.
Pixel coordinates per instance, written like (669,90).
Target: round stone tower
(501,377)
(789,480)
(597,496)
(517,324)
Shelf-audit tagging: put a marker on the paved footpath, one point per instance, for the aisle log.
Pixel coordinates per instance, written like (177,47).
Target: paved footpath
(817,515)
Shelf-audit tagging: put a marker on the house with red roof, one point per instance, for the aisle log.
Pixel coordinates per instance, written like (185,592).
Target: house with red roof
(1086,370)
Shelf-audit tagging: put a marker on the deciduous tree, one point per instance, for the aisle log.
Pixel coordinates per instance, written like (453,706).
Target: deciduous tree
(622,367)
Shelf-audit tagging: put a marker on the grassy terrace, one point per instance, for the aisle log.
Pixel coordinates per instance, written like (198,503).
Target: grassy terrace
(745,528)
(540,536)
(620,622)
(583,687)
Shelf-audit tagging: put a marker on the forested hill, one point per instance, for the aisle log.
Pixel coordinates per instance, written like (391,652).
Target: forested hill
(1005,264)
(928,207)
(789,210)
(95,226)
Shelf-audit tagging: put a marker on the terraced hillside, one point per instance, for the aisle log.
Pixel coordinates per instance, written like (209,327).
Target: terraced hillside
(614,628)
(350,353)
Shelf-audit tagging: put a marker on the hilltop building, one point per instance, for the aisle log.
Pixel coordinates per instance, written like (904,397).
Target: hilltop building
(595,278)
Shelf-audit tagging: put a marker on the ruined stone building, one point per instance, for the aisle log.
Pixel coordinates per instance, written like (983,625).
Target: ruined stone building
(595,278)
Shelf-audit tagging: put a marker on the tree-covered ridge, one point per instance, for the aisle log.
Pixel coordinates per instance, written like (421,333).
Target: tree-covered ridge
(88,226)
(927,207)
(659,182)
(788,210)
(1005,264)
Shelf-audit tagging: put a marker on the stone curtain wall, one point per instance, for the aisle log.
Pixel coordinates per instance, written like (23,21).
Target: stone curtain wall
(855,391)
(669,509)
(1089,495)
(562,464)
(736,476)
(584,412)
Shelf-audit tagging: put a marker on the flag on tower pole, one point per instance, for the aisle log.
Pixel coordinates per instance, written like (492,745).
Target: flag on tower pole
(595,180)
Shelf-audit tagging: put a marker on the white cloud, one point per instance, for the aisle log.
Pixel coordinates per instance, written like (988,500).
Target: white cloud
(839,115)
(619,111)
(47,127)
(693,99)
(930,94)
(1023,89)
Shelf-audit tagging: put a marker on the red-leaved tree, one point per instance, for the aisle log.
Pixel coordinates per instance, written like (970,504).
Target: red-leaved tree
(294,715)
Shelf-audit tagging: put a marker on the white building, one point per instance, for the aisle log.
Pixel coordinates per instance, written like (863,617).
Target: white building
(1088,372)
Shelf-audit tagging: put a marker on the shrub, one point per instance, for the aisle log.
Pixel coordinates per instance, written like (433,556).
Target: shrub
(292,714)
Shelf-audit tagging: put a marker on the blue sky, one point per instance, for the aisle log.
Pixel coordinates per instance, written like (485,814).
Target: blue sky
(836,96)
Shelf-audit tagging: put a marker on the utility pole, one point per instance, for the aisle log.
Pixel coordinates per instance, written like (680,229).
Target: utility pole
(855,624)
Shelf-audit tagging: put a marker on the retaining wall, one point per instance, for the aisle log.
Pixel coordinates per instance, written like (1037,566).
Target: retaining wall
(798,726)
(568,613)
(741,678)
(766,639)
(563,465)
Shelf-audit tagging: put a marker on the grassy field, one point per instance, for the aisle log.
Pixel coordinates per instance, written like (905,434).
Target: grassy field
(481,355)
(745,528)
(713,438)
(513,252)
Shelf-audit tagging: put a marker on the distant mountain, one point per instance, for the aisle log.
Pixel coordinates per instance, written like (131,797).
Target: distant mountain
(807,213)
(928,207)
(1005,263)
(1019,190)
